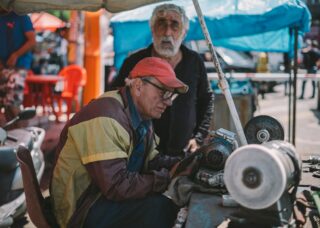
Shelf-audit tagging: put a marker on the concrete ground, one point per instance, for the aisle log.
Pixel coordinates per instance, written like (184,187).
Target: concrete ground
(275,104)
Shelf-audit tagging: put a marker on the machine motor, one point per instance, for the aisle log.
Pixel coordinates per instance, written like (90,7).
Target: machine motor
(215,153)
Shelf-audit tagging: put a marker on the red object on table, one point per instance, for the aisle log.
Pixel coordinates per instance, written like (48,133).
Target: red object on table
(41,90)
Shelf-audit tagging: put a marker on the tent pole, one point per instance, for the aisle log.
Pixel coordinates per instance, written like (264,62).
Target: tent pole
(223,83)
(290,87)
(290,102)
(295,69)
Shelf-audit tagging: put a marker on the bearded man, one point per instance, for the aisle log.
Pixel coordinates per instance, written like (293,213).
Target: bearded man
(184,125)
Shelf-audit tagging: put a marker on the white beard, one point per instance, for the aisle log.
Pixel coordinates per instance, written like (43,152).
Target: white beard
(166,51)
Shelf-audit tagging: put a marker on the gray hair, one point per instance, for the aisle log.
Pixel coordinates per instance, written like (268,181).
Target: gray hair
(170,7)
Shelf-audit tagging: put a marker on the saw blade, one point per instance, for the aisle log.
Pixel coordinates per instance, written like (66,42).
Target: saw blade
(262,129)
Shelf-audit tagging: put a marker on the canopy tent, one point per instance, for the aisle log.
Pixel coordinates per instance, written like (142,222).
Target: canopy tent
(45,21)
(92,49)
(113,6)
(237,24)
(244,24)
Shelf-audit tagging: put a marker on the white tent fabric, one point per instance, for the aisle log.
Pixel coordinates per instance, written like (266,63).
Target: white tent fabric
(29,6)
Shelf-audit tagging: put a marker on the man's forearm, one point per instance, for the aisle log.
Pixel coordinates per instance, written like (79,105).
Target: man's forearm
(117,183)
(28,45)
(13,58)
(205,117)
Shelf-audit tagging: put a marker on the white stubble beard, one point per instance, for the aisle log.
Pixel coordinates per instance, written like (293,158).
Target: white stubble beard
(167,52)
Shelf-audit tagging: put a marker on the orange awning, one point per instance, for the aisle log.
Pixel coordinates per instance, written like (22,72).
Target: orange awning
(45,21)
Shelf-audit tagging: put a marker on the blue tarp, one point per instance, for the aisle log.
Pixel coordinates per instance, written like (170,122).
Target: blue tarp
(259,25)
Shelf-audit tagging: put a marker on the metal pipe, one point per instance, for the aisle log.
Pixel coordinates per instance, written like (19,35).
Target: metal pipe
(295,71)
(290,103)
(290,90)
(223,83)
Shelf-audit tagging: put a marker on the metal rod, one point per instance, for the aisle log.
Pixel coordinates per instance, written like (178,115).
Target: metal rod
(223,83)
(290,88)
(290,102)
(295,71)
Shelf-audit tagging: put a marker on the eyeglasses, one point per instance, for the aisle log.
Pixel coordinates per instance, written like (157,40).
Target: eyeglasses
(167,95)
(163,24)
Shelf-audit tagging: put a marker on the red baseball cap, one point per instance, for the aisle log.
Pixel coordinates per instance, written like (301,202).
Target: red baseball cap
(159,69)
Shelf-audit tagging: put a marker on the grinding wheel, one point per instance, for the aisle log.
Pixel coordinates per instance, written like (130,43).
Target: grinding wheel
(262,129)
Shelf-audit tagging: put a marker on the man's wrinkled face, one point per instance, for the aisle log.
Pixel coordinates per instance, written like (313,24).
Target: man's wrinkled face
(168,33)
(151,104)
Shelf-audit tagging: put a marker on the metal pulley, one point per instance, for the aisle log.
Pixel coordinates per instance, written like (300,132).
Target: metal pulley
(256,176)
(262,129)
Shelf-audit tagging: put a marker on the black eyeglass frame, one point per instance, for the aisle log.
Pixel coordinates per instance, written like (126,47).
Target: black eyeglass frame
(168,95)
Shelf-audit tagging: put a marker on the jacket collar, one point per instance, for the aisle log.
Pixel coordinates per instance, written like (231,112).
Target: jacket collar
(131,109)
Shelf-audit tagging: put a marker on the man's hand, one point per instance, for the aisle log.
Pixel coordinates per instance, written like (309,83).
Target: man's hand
(12,61)
(192,146)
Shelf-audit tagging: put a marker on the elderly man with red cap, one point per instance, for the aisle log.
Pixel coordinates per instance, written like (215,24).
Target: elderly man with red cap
(107,171)
(183,126)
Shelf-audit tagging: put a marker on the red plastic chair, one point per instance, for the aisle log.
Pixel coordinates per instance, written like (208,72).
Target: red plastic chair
(75,78)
